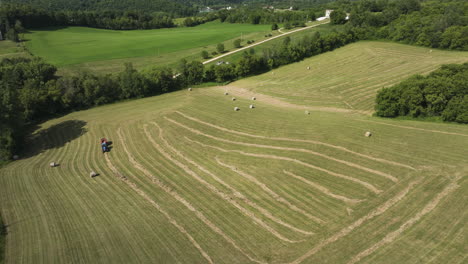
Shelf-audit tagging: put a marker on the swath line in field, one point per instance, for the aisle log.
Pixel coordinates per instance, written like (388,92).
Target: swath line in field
(179,198)
(213,188)
(389,238)
(269,191)
(158,207)
(415,128)
(295,140)
(347,230)
(267,156)
(351,164)
(235,192)
(323,189)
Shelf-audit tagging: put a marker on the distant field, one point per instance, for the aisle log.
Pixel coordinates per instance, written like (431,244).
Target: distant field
(350,76)
(190,180)
(11,49)
(78,45)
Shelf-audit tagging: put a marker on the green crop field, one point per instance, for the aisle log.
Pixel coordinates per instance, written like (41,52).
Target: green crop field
(190,180)
(107,50)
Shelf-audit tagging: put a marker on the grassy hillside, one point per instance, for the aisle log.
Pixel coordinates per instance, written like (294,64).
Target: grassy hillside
(11,49)
(77,45)
(351,76)
(190,180)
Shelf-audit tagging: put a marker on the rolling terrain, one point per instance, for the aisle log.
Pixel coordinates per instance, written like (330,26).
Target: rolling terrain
(190,180)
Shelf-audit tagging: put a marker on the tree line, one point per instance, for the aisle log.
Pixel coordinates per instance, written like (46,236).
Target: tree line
(443,93)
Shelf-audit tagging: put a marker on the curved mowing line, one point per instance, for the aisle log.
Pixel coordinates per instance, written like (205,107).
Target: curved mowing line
(324,189)
(179,198)
(389,238)
(269,191)
(295,140)
(351,164)
(415,128)
(235,192)
(347,230)
(210,186)
(266,156)
(157,206)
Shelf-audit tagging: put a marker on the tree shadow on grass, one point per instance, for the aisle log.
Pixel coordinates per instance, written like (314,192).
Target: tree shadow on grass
(55,136)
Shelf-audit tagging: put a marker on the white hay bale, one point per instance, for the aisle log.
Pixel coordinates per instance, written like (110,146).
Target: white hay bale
(190,89)
(251,106)
(308,67)
(92,174)
(15,157)
(226,93)
(307,112)
(253,98)
(53,164)
(236,108)
(233,98)
(368,134)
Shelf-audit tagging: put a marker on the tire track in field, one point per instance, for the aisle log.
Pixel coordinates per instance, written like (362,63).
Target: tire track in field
(179,198)
(157,206)
(416,128)
(223,195)
(389,238)
(295,140)
(267,156)
(235,192)
(351,164)
(323,189)
(273,194)
(347,230)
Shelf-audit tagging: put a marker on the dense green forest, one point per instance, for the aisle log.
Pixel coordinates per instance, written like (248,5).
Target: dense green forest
(443,93)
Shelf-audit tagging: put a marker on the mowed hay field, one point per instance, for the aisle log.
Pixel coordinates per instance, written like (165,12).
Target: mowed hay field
(350,76)
(97,48)
(190,180)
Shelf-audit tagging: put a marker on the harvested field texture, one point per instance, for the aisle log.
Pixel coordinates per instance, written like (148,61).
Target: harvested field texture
(189,180)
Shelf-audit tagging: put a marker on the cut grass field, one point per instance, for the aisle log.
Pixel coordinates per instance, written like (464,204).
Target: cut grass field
(189,180)
(106,50)
(351,76)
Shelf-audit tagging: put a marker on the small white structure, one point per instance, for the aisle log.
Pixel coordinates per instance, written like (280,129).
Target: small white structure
(328,12)
(15,157)
(53,164)
(190,89)
(253,98)
(368,134)
(233,99)
(92,174)
(251,106)
(236,108)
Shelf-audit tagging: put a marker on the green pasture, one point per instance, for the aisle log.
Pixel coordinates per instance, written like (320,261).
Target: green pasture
(190,180)
(350,76)
(96,48)
(11,49)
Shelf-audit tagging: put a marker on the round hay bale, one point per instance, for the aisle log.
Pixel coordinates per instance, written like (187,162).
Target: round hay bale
(92,174)
(233,98)
(368,134)
(236,108)
(190,89)
(308,67)
(307,112)
(52,164)
(226,93)
(253,98)
(251,106)
(15,157)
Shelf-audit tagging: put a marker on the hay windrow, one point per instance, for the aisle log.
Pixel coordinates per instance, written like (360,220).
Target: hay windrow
(223,195)
(351,164)
(324,189)
(266,156)
(235,192)
(158,207)
(389,238)
(416,128)
(347,230)
(296,140)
